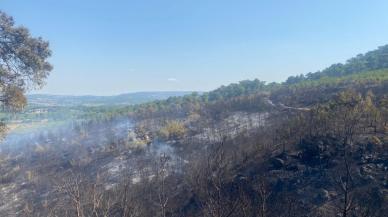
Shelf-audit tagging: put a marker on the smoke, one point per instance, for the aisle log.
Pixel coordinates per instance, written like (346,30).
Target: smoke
(81,139)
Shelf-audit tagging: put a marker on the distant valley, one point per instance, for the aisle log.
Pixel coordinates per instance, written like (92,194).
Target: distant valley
(35,100)
(51,111)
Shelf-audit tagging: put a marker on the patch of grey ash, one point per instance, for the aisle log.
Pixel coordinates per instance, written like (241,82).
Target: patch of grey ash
(131,162)
(11,196)
(233,125)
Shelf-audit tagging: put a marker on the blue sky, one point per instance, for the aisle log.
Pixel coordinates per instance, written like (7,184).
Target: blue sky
(110,47)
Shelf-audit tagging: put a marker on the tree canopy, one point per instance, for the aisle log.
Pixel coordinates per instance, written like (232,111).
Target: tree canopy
(23,63)
(370,61)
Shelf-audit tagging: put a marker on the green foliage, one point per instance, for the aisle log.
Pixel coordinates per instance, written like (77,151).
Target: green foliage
(23,59)
(23,63)
(376,76)
(245,87)
(310,92)
(245,95)
(371,61)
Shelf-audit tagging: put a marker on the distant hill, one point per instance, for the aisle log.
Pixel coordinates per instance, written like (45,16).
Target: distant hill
(90,100)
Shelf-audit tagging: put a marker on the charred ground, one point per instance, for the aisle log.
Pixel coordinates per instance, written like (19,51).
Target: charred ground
(315,145)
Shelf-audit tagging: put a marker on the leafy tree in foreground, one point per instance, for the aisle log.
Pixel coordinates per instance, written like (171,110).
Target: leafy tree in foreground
(23,64)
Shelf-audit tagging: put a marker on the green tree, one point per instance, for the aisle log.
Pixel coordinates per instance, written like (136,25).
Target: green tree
(23,63)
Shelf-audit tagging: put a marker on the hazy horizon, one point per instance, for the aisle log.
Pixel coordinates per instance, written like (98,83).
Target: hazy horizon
(109,48)
(123,93)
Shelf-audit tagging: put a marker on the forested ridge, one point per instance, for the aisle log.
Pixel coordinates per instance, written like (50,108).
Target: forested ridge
(365,70)
(362,72)
(370,61)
